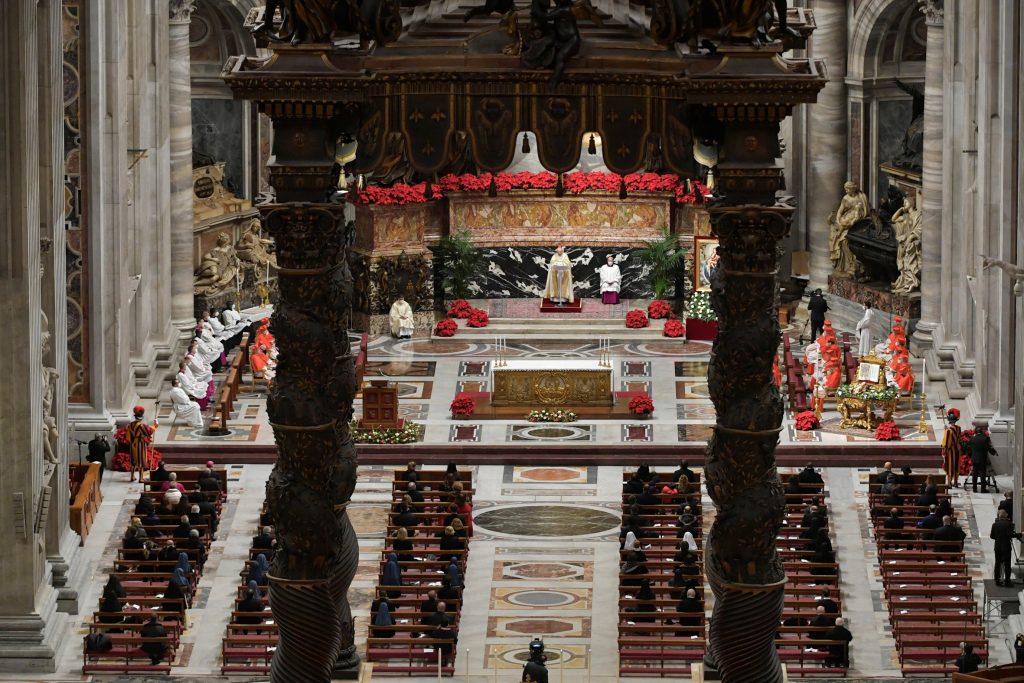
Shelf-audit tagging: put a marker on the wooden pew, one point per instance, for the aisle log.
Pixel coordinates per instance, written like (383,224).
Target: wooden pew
(85,502)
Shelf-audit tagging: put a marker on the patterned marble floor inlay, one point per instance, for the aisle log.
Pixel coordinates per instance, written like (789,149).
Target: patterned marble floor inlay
(636,432)
(530,570)
(547,520)
(566,627)
(464,432)
(513,657)
(694,433)
(636,368)
(551,432)
(691,368)
(687,389)
(540,598)
(563,475)
(400,368)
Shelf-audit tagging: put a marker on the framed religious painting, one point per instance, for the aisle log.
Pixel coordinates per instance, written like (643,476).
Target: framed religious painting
(705,260)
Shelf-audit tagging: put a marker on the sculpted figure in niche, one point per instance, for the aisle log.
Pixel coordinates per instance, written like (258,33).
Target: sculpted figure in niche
(852,208)
(218,268)
(251,249)
(907,223)
(49,375)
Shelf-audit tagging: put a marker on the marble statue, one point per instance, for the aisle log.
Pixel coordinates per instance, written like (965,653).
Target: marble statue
(218,268)
(49,375)
(251,249)
(908,226)
(1012,270)
(852,208)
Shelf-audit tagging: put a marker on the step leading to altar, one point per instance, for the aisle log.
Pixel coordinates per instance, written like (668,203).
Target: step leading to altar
(559,328)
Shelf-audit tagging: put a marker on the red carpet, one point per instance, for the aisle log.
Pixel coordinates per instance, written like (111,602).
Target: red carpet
(547,307)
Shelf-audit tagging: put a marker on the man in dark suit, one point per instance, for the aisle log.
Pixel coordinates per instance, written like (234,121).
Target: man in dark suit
(1007,504)
(808,475)
(933,520)
(839,654)
(208,481)
(1003,534)
(684,471)
(980,448)
(947,534)
(265,540)
(816,308)
(820,619)
(826,601)
(886,475)
(156,649)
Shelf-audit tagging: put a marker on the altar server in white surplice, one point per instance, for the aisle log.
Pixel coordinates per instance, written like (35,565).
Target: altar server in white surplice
(184,407)
(611,280)
(401,319)
(189,384)
(559,289)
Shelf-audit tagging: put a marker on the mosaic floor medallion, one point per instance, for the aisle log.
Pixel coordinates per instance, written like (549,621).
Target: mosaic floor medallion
(551,432)
(547,520)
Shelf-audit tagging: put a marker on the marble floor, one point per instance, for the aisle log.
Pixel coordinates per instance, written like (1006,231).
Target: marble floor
(543,561)
(430,372)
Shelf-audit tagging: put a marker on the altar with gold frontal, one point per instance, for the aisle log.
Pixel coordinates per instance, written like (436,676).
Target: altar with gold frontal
(535,383)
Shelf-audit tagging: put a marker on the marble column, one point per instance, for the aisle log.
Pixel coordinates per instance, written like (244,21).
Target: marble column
(931,239)
(827,133)
(179,75)
(30,628)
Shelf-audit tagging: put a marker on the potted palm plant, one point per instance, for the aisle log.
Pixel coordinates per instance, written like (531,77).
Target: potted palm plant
(665,259)
(460,262)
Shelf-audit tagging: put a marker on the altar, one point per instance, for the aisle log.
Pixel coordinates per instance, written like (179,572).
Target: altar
(554,382)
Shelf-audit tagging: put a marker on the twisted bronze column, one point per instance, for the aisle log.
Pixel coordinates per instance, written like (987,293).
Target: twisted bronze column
(310,406)
(742,566)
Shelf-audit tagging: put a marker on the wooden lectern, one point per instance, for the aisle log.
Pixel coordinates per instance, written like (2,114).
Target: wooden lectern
(380,406)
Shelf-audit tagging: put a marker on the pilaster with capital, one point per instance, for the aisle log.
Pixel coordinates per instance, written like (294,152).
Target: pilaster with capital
(179,76)
(931,181)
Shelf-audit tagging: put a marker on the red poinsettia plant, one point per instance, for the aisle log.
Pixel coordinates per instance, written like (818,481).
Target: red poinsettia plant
(446,328)
(674,329)
(887,431)
(641,404)
(478,318)
(658,309)
(460,309)
(636,319)
(806,421)
(399,193)
(463,405)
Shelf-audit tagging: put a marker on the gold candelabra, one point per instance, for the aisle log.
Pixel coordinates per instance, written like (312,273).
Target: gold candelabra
(922,426)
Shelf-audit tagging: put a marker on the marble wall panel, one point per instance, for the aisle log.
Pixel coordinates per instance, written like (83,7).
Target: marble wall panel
(217,128)
(522,271)
(893,118)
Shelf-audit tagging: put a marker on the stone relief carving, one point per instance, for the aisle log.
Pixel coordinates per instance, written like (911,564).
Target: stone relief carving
(1014,272)
(728,21)
(909,226)
(319,21)
(933,11)
(181,10)
(50,376)
(218,268)
(852,207)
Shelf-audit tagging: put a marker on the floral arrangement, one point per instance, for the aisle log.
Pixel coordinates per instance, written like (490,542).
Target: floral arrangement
(699,307)
(122,461)
(399,193)
(636,319)
(446,328)
(878,393)
(573,183)
(546,415)
(460,309)
(967,434)
(658,309)
(887,431)
(463,405)
(641,404)
(806,421)
(674,328)
(478,318)
(409,433)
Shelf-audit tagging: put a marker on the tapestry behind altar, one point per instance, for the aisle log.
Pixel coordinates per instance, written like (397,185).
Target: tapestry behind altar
(528,218)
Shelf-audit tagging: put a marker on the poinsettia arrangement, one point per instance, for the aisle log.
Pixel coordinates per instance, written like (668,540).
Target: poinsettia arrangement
(965,436)
(887,431)
(868,393)
(478,318)
(700,308)
(573,183)
(658,309)
(806,421)
(463,405)
(674,328)
(641,404)
(460,309)
(636,319)
(446,328)
(546,415)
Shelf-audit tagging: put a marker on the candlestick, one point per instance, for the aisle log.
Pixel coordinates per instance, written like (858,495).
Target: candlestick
(922,426)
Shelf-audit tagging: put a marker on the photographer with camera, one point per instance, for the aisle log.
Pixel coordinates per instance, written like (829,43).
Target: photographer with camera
(534,670)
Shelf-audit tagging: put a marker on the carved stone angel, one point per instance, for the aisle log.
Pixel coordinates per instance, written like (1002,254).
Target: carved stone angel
(1014,272)
(49,375)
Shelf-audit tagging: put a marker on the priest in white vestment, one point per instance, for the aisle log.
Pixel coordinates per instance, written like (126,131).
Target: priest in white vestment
(200,370)
(559,289)
(401,318)
(188,383)
(611,280)
(864,332)
(215,325)
(184,407)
